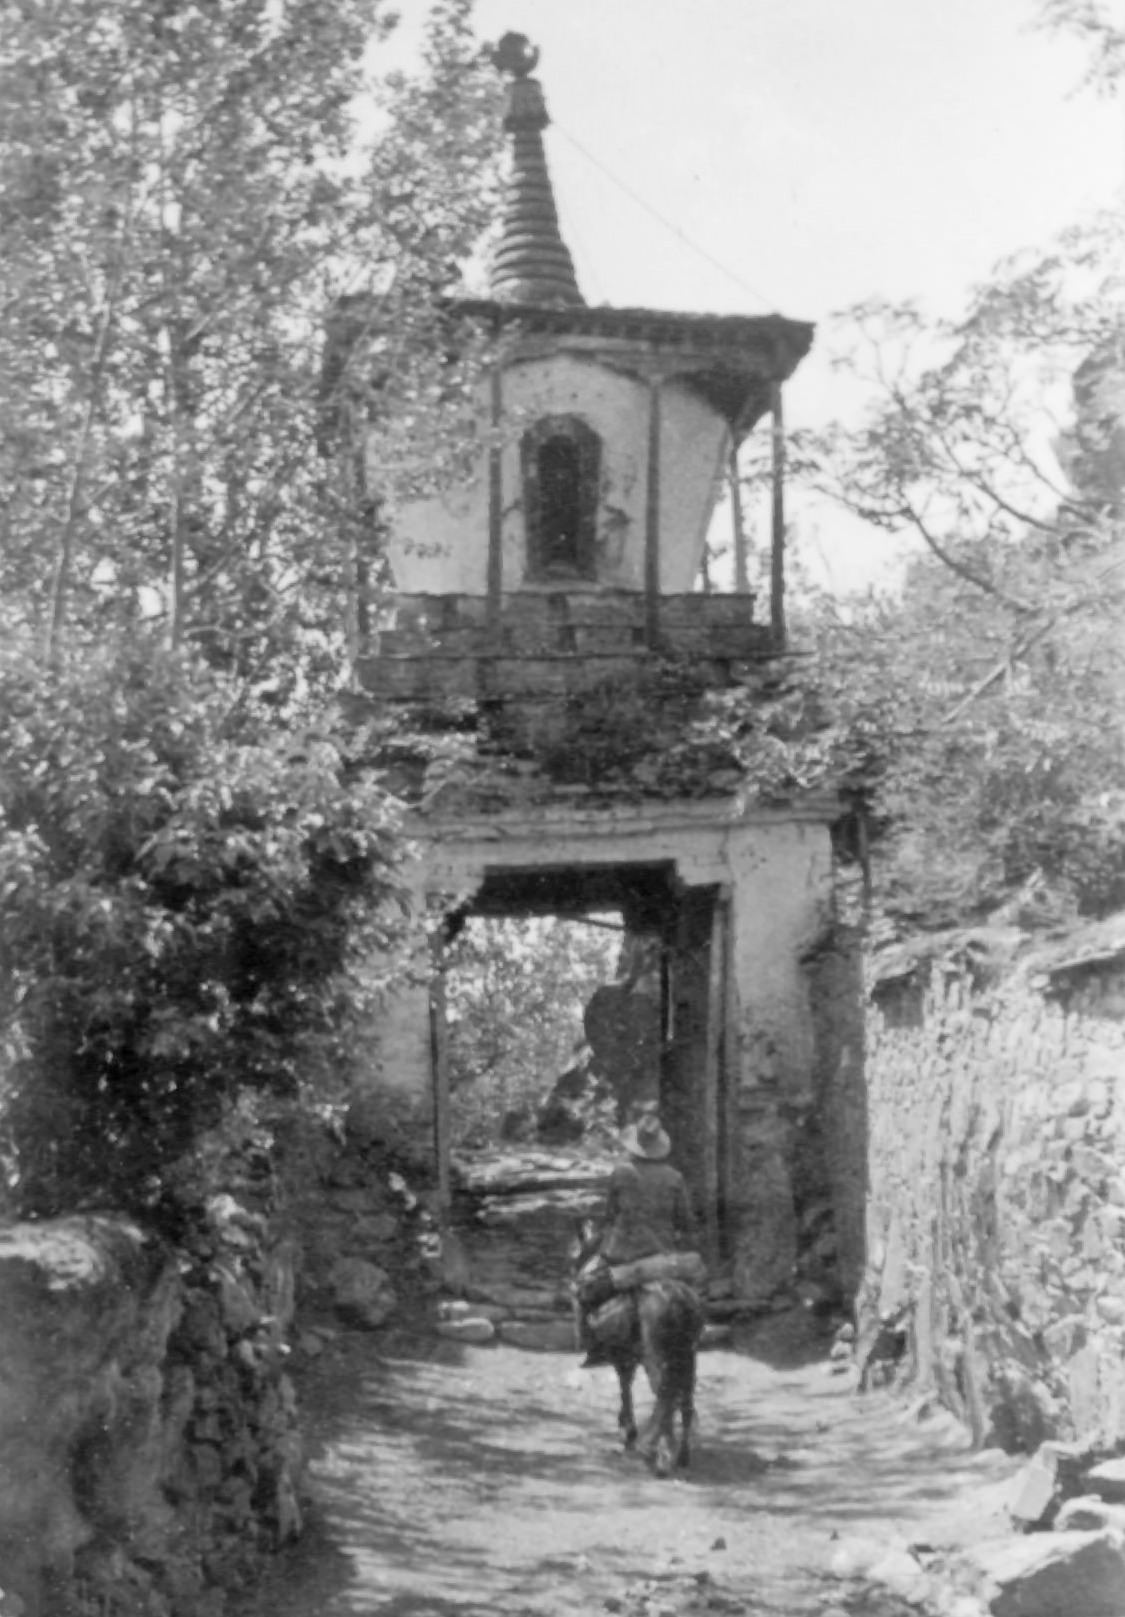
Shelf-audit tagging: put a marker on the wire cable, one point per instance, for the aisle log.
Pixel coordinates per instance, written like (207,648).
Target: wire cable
(731,275)
(588,276)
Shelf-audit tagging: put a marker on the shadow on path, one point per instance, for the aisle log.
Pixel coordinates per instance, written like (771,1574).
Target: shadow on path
(451,1480)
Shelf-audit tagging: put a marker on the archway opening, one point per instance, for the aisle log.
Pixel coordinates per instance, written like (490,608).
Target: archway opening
(574,998)
(522,1073)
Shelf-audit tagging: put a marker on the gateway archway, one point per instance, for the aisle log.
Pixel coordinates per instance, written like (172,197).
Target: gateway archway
(667,1040)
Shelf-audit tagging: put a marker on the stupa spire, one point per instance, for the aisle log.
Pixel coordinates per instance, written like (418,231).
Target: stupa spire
(531,263)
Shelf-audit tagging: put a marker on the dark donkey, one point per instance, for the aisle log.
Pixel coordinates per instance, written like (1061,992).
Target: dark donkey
(664,1337)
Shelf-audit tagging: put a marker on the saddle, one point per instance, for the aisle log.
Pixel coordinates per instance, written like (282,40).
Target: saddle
(608,1292)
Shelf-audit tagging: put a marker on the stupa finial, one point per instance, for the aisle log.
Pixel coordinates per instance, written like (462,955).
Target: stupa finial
(531,263)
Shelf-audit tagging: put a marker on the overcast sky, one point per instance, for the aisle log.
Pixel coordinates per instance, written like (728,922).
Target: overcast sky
(820,151)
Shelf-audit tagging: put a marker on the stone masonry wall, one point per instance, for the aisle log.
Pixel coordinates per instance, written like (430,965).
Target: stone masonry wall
(835,1156)
(996,1208)
(147,1426)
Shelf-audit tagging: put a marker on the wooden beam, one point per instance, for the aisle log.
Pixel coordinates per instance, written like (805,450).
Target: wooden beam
(777,521)
(738,525)
(730,1162)
(716,1001)
(652,519)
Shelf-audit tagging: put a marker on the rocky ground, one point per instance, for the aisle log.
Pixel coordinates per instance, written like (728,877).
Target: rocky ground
(455,1479)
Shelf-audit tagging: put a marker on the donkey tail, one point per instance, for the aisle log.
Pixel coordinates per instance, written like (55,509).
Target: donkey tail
(671,1318)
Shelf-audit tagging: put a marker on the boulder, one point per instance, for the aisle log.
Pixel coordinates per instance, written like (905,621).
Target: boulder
(1033,1500)
(361,1292)
(540,1336)
(902,1574)
(1053,1475)
(1049,1574)
(87,1305)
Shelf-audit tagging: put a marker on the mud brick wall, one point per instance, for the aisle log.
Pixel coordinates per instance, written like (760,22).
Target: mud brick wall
(996,1208)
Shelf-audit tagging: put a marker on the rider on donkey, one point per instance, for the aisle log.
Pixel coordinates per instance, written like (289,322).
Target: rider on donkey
(646,1214)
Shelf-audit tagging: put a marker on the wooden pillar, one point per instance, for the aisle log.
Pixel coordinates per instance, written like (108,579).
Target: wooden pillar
(730,1159)
(777,522)
(712,1080)
(652,519)
(439,1066)
(738,525)
(495,579)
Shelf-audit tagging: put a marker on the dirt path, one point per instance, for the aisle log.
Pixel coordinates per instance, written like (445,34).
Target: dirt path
(454,1480)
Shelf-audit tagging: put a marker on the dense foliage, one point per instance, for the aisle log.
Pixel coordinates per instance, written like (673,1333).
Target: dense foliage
(973,707)
(516,990)
(192,857)
(184,898)
(185,196)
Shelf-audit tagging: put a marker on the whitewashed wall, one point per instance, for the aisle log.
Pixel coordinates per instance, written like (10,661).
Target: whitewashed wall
(440,545)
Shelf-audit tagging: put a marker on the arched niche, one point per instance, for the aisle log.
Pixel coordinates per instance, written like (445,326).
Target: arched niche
(560,466)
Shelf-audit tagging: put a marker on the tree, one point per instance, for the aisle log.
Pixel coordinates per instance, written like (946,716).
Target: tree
(516,990)
(1091,23)
(187,894)
(191,849)
(974,709)
(183,198)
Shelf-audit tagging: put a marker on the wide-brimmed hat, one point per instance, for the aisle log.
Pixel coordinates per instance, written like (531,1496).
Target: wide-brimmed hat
(646,1138)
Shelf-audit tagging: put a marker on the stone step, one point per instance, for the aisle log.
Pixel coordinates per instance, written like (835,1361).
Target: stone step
(540,1336)
(518,1300)
(469,1329)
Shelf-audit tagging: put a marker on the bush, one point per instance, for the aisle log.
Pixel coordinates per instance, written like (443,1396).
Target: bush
(185,888)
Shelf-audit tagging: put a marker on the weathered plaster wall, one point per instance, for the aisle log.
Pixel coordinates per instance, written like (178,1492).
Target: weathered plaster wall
(996,1215)
(781,875)
(396,1058)
(777,868)
(834,1163)
(781,883)
(440,545)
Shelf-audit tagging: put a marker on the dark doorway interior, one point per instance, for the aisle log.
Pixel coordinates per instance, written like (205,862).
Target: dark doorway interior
(695,1091)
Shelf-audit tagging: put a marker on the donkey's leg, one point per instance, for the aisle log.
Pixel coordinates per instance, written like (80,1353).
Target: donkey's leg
(687,1413)
(627,1419)
(657,1431)
(658,1445)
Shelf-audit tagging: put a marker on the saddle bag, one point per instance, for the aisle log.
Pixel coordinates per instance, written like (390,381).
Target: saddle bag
(686,1266)
(614,1324)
